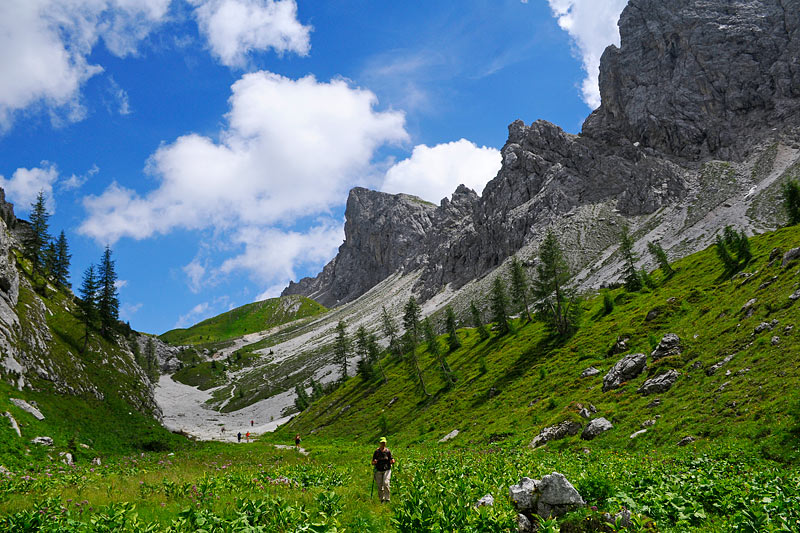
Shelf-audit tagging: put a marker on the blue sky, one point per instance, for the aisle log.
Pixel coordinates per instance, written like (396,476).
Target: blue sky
(212,143)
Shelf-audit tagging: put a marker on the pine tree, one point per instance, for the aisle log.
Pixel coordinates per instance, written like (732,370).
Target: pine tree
(452,335)
(150,358)
(430,337)
(62,261)
(107,301)
(37,238)
(520,287)
(558,304)
(660,256)
(732,243)
(87,306)
(411,322)
(477,321)
(791,201)
(341,347)
(50,258)
(363,365)
(301,401)
(633,282)
(390,332)
(374,355)
(316,389)
(500,306)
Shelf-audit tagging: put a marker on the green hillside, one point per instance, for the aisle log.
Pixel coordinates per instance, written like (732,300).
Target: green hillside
(97,398)
(511,387)
(250,318)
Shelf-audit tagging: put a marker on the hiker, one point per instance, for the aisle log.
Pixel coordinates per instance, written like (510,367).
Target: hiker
(297,441)
(239,437)
(248,436)
(383,461)
(251,423)
(222,431)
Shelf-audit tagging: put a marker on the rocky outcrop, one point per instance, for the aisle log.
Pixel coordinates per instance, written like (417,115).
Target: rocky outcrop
(670,345)
(661,383)
(624,370)
(166,355)
(595,428)
(559,431)
(589,372)
(13,422)
(695,78)
(25,406)
(553,495)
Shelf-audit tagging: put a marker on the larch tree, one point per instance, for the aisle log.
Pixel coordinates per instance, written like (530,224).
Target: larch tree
(341,348)
(633,282)
(520,287)
(412,323)
(477,321)
(660,256)
(556,303)
(500,306)
(452,335)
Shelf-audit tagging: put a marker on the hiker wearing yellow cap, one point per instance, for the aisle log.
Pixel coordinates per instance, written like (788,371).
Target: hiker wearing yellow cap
(382,460)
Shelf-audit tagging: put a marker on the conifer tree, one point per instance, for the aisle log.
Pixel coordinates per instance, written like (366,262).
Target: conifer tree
(150,358)
(731,243)
(316,389)
(62,261)
(500,306)
(87,306)
(390,332)
(558,304)
(660,256)
(302,401)
(520,287)
(341,347)
(107,300)
(791,201)
(477,321)
(35,242)
(633,282)
(452,335)
(49,258)
(364,351)
(430,337)
(411,322)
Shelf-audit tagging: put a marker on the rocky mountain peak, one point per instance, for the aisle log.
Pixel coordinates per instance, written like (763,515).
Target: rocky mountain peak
(694,78)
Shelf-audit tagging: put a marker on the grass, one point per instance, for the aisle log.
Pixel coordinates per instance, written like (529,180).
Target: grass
(250,318)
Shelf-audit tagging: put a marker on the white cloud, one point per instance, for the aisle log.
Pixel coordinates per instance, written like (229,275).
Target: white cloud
(195,274)
(76,181)
(592,25)
(271,255)
(120,283)
(234,28)
(45,45)
(26,183)
(126,311)
(199,311)
(292,148)
(433,173)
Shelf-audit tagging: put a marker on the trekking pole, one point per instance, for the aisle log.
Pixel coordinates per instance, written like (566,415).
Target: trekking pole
(373,485)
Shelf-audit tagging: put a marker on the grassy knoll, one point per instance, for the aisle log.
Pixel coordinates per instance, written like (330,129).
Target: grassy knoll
(250,318)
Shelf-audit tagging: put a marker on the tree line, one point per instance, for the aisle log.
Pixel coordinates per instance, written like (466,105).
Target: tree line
(98,304)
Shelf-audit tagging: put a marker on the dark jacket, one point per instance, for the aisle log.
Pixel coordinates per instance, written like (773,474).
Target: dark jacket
(383,458)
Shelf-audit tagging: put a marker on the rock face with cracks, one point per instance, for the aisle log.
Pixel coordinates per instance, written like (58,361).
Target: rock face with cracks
(625,369)
(553,495)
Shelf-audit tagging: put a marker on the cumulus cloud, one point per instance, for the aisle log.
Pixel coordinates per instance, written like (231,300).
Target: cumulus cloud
(592,25)
(26,183)
(434,172)
(45,45)
(76,181)
(194,315)
(234,28)
(291,148)
(126,310)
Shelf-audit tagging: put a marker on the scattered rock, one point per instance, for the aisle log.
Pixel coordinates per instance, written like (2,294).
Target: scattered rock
(595,428)
(652,314)
(723,386)
(672,300)
(765,326)
(524,524)
(788,329)
(25,406)
(84,446)
(713,368)
(686,440)
(637,433)
(621,346)
(592,408)
(623,518)
(743,371)
(552,496)
(585,413)
(774,254)
(96,461)
(44,441)
(654,403)
(795,295)
(775,340)
(660,383)
(648,423)
(5,471)
(589,372)
(625,369)
(391,402)
(492,392)
(453,434)
(559,431)
(790,256)
(486,501)
(767,283)
(670,345)
(697,365)
(66,458)
(749,308)
(13,423)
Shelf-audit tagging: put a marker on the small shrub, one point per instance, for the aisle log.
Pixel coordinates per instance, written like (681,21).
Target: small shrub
(608,303)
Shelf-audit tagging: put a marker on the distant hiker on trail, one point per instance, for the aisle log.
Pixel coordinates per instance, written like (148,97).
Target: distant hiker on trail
(239,436)
(222,430)
(383,461)
(248,436)
(297,441)
(251,423)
